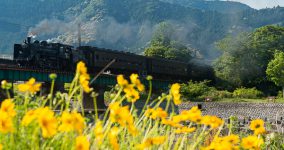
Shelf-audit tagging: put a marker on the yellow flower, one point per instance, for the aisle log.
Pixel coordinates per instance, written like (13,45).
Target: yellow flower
(233,139)
(84,81)
(67,122)
(121,81)
(156,113)
(82,143)
(7,106)
(132,129)
(30,116)
(185,130)
(31,86)
(79,122)
(47,122)
(220,145)
(84,77)
(171,123)
(175,93)
(152,141)
(81,68)
(122,116)
(131,94)
(98,132)
(6,123)
(134,80)
(1,146)
(257,126)
(113,138)
(252,142)
(212,121)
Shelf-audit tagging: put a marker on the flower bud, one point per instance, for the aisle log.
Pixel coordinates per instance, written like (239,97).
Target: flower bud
(53,76)
(149,77)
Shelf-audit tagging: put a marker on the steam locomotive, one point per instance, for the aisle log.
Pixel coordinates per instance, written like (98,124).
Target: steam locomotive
(56,56)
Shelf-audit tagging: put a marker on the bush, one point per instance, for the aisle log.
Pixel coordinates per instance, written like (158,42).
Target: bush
(196,90)
(247,93)
(217,95)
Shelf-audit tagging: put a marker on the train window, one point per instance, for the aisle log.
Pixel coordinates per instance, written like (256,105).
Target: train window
(61,50)
(97,57)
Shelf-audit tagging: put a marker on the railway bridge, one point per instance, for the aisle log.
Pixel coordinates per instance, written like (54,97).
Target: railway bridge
(14,74)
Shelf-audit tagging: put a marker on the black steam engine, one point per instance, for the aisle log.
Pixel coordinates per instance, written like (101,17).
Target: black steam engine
(62,57)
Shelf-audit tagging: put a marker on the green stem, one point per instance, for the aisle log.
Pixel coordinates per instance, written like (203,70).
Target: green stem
(51,93)
(148,98)
(199,138)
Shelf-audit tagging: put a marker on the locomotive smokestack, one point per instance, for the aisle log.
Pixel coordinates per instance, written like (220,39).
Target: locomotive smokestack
(29,39)
(79,34)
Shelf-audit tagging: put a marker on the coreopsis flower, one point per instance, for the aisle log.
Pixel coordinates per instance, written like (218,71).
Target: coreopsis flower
(171,123)
(134,80)
(175,93)
(47,122)
(220,145)
(81,68)
(132,129)
(84,81)
(99,132)
(31,86)
(113,138)
(122,116)
(82,143)
(30,116)
(233,139)
(132,95)
(84,77)
(7,106)
(67,124)
(121,81)
(194,115)
(185,130)
(212,121)
(152,141)
(156,113)
(257,126)
(6,123)
(252,142)
(79,122)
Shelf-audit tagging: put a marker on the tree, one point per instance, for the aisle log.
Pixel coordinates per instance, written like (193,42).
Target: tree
(246,56)
(164,45)
(275,69)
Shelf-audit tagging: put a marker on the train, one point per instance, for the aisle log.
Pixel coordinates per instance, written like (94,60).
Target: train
(57,56)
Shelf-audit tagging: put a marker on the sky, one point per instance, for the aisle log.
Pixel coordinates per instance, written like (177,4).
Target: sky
(258,4)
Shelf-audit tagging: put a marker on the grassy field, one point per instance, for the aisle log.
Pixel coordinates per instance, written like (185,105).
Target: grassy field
(264,100)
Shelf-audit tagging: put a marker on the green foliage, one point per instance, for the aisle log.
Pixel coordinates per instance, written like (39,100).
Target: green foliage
(164,45)
(246,56)
(199,91)
(247,93)
(218,95)
(275,69)
(196,90)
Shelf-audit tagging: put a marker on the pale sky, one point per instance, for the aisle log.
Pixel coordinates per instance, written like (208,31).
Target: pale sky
(258,4)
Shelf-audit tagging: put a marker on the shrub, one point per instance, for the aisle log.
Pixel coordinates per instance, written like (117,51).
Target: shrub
(196,90)
(217,95)
(247,93)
